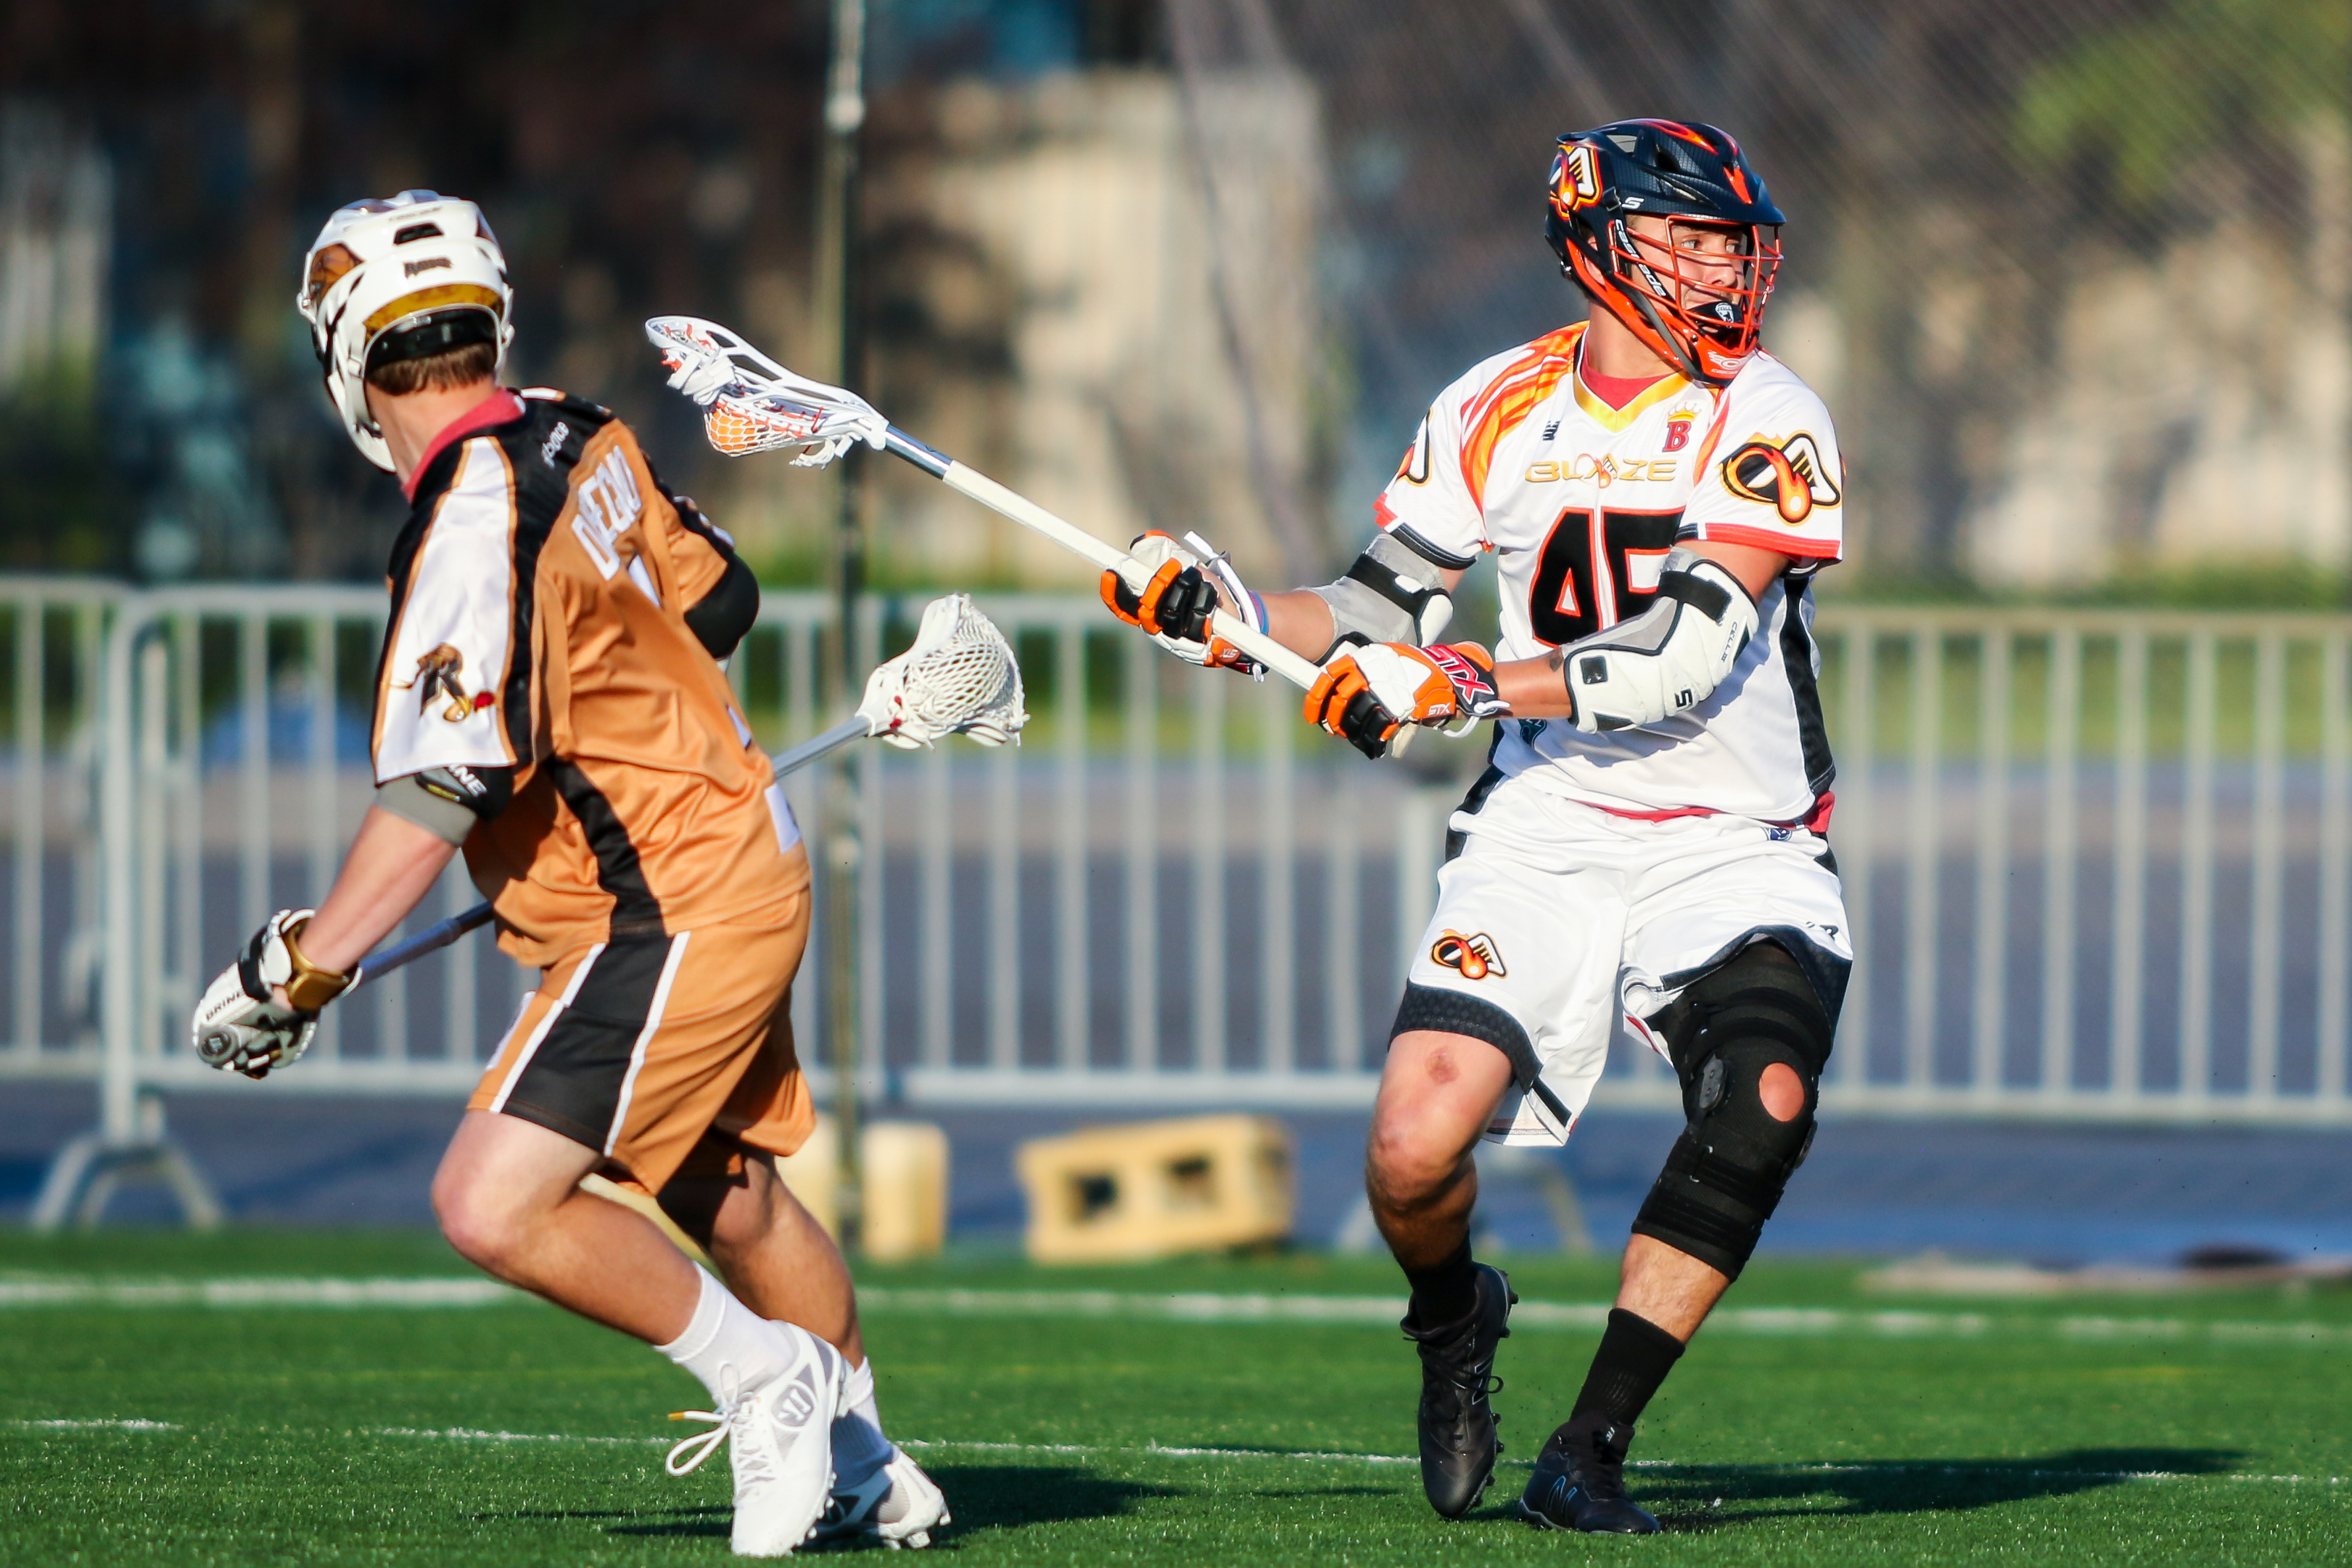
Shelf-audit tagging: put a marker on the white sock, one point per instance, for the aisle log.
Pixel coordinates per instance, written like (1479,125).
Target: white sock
(723,1334)
(859,1449)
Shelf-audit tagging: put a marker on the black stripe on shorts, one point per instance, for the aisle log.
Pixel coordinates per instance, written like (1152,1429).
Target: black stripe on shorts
(572,1084)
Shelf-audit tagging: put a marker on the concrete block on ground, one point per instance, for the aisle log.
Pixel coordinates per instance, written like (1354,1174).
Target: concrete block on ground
(1154,1189)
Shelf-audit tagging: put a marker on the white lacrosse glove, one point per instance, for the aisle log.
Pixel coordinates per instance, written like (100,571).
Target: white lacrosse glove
(959,679)
(1180,594)
(241,1025)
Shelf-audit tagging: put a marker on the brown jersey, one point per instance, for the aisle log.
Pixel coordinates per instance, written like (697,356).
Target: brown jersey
(541,597)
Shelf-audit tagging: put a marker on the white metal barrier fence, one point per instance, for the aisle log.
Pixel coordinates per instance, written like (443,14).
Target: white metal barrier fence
(2096,862)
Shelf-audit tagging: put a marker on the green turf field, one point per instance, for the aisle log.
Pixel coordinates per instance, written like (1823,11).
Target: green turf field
(1819,1425)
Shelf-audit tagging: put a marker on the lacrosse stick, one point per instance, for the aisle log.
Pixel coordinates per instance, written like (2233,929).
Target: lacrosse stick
(751,404)
(959,679)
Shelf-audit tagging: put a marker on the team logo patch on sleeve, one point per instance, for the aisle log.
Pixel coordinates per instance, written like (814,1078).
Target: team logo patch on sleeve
(1473,957)
(437,676)
(1787,475)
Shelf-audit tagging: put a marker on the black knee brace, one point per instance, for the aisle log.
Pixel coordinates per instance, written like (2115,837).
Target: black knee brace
(1725,1174)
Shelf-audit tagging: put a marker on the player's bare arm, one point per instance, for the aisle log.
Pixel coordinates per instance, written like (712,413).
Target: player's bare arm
(392,864)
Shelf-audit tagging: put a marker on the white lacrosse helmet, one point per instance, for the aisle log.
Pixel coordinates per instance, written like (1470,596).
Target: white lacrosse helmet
(394,279)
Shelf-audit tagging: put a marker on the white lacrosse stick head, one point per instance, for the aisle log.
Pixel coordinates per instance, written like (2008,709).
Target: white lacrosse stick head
(751,404)
(959,678)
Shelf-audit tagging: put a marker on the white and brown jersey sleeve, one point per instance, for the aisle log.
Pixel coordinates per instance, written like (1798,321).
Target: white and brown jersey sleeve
(459,614)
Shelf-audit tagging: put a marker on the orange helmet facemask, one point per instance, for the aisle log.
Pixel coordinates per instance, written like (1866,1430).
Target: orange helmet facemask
(1699,312)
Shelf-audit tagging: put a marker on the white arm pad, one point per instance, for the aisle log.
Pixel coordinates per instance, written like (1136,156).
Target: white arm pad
(1669,657)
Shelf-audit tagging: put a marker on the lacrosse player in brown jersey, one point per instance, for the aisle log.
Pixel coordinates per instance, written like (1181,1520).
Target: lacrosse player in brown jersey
(550,700)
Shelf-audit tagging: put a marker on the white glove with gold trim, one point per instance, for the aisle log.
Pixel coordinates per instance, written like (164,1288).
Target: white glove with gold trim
(241,1025)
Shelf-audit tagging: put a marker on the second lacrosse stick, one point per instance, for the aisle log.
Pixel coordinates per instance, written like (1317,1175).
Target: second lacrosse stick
(958,679)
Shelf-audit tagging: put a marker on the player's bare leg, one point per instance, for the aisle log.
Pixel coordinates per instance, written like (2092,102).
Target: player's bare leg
(776,1258)
(509,1199)
(1437,1092)
(782,1263)
(508,1195)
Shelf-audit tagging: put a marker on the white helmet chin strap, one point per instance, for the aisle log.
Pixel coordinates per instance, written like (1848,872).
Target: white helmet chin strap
(415,269)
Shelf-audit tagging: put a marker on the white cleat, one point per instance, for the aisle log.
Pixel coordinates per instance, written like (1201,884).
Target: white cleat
(779,1438)
(897,1505)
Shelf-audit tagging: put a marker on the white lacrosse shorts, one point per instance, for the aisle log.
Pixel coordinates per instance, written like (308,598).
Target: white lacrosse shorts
(1567,918)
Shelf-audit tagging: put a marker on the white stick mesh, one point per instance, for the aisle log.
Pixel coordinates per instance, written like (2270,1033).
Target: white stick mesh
(960,678)
(751,404)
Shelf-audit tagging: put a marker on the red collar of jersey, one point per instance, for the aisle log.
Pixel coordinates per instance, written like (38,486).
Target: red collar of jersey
(499,407)
(1616,391)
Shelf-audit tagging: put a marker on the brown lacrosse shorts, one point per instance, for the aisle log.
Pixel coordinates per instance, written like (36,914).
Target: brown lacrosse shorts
(665,1054)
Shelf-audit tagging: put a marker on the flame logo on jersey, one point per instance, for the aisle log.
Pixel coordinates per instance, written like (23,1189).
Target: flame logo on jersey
(1474,957)
(1678,428)
(1787,475)
(437,676)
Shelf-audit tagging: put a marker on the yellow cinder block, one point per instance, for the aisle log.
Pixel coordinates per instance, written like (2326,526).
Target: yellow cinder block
(906,1209)
(814,1174)
(1154,1189)
(906,1166)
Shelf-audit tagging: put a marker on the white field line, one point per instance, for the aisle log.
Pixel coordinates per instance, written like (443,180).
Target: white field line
(93,1290)
(475,1434)
(1329,1456)
(1181,1307)
(1585,1316)
(102,1424)
(1172,1451)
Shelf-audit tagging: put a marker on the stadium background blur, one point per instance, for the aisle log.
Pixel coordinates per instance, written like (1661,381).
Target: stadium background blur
(2072,276)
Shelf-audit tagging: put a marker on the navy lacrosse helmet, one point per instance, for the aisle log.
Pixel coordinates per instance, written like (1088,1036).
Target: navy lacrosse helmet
(1700,313)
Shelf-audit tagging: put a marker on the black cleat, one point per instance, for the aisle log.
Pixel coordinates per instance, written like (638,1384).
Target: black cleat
(1458,1443)
(1579,1484)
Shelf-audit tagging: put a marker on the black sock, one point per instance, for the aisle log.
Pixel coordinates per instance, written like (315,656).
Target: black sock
(1446,1292)
(1634,1357)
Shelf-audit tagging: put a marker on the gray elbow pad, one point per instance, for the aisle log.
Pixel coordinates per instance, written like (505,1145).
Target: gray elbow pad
(1393,594)
(449,801)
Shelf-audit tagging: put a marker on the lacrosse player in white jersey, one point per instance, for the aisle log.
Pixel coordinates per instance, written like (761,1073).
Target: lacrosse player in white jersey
(1646,842)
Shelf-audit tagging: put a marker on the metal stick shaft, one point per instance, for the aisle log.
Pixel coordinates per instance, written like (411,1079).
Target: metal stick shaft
(968,481)
(823,745)
(434,938)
